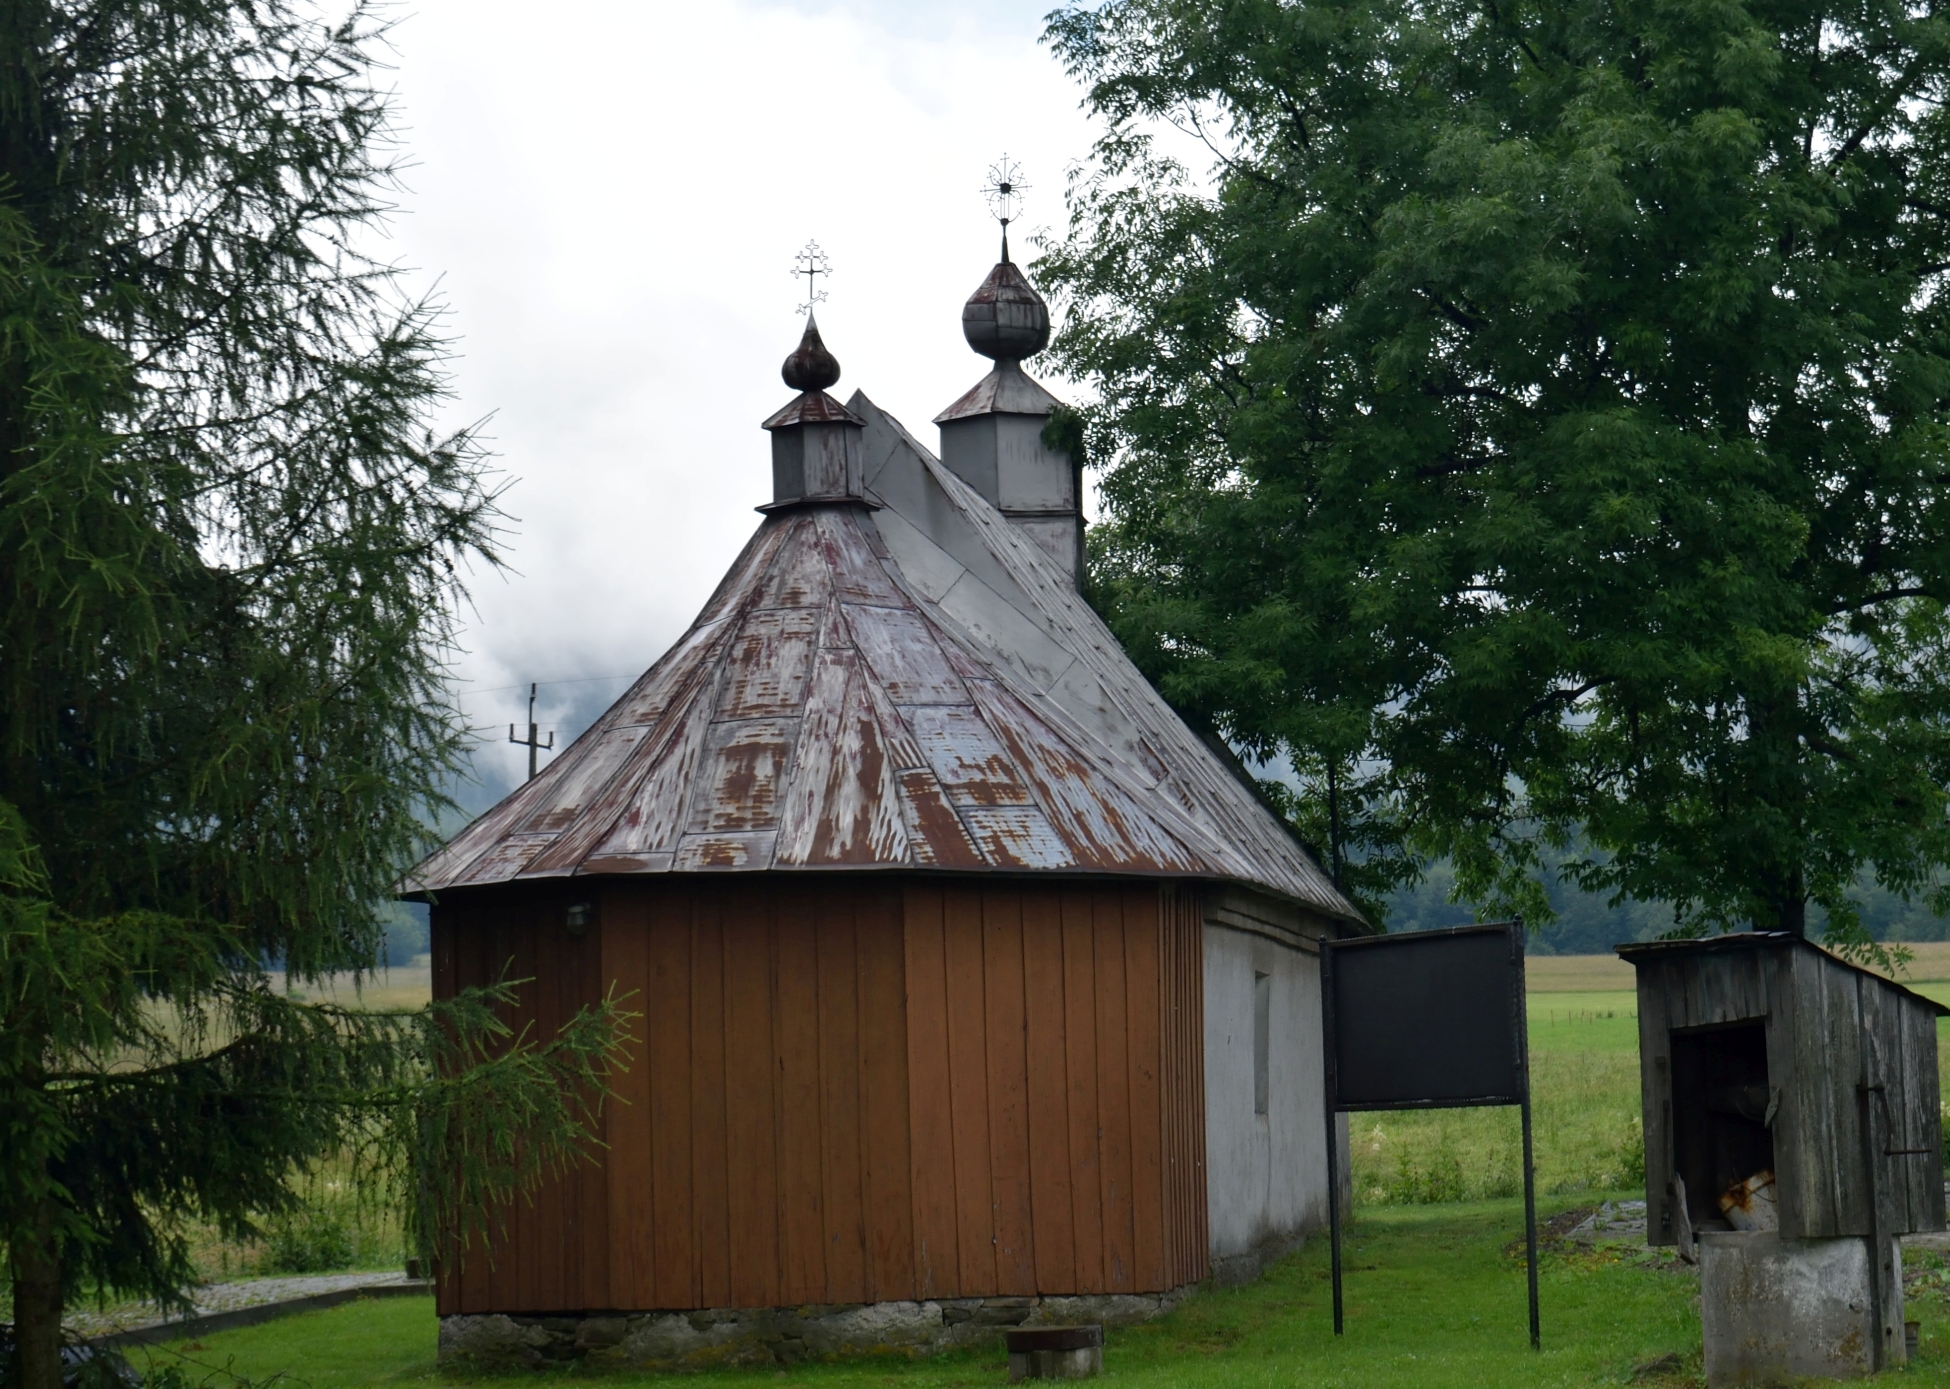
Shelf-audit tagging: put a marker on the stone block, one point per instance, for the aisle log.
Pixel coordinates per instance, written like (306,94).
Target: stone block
(669,1341)
(597,1332)
(492,1342)
(871,1329)
(1104,1309)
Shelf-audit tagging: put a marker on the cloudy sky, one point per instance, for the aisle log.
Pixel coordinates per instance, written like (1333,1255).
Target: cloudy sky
(610,203)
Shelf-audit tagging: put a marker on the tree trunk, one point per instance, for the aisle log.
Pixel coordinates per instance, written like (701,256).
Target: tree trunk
(1334,823)
(37,1305)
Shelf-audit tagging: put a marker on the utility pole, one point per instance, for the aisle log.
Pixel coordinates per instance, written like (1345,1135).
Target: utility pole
(533,741)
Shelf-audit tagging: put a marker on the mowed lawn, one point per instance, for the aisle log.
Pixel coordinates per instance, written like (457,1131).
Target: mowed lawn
(1434,1297)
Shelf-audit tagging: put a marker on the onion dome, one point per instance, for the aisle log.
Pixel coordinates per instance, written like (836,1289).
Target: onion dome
(1005,318)
(811,367)
(815,439)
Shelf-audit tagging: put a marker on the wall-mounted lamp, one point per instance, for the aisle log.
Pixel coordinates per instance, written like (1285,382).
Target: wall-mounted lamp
(578,917)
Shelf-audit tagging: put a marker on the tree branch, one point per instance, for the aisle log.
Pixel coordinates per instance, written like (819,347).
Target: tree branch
(1885,595)
(1565,697)
(1895,98)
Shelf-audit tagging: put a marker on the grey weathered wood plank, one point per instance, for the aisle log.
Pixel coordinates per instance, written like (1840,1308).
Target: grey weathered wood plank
(1654,1089)
(1792,1167)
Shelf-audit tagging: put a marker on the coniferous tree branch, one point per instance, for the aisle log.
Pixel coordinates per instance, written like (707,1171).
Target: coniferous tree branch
(232,540)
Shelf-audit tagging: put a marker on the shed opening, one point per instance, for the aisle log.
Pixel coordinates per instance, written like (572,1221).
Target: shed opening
(1721,1103)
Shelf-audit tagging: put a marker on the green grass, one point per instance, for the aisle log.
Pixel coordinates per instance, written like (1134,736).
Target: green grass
(1580,1022)
(1433,1298)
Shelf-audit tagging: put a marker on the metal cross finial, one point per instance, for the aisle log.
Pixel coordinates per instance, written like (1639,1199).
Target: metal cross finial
(1004,194)
(811,263)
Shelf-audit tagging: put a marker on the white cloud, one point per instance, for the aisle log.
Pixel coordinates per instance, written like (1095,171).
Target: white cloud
(610,203)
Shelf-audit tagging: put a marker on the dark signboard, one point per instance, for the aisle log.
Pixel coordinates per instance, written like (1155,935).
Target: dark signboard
(1427,1019)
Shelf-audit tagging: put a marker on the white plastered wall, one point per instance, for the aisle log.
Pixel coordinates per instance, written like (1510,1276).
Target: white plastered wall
(1266,1175)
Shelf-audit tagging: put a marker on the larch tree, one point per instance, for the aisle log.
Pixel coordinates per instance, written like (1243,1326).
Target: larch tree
(1538,411)
(230,547)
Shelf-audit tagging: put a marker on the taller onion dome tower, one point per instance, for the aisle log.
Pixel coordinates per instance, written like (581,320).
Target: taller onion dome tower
(992,437)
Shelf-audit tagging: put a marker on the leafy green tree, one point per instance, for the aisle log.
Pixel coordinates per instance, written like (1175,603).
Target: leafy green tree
(1555,396)
(229,548)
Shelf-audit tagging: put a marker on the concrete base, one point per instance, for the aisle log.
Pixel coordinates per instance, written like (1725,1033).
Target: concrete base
(1057,1352)
(1776,1310)
(1085,1363)
(772,1336)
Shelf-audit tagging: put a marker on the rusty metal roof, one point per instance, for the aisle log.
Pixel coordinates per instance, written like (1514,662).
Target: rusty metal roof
(812,407)
(1007,390)
(917,687)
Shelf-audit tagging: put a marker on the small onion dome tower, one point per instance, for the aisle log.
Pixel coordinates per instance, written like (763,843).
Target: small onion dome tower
(815,439)
(992,438)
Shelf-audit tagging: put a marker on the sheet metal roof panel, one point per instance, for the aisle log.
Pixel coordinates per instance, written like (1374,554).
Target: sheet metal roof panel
(769,663)
(1102,823)
(857,560)
(905,658)
(668,680)
(697,853)
(965,755)
(802,577)
(645,815)
(841,805)
(741,776)
(1018,836)
(597,763)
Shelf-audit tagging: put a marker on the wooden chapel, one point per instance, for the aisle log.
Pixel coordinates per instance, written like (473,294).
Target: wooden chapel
(969,974)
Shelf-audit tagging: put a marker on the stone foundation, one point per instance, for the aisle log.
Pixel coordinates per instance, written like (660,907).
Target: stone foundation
(772,1336)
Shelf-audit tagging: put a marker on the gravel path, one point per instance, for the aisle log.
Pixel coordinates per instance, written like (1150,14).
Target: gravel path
(220,1297)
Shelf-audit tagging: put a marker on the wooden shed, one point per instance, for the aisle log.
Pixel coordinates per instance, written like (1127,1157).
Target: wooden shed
(1761,1051)
(972,979)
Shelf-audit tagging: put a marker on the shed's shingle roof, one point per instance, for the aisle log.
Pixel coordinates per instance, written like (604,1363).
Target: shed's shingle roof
(917,687)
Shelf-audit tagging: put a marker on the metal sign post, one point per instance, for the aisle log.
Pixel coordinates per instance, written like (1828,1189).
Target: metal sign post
(1469,1044)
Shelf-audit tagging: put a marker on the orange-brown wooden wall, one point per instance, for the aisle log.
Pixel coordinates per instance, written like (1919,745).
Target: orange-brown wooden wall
(857,1090)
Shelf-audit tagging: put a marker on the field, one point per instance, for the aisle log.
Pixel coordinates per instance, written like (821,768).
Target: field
(1584,1062)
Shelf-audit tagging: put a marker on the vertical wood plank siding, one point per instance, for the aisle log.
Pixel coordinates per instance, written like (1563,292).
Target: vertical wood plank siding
(847,1092)
(1183,972)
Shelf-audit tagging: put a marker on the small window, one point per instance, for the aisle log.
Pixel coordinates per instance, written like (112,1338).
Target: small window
(1262,1040)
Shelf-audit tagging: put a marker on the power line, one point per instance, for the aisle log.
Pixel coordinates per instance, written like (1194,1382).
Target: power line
(585,680)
